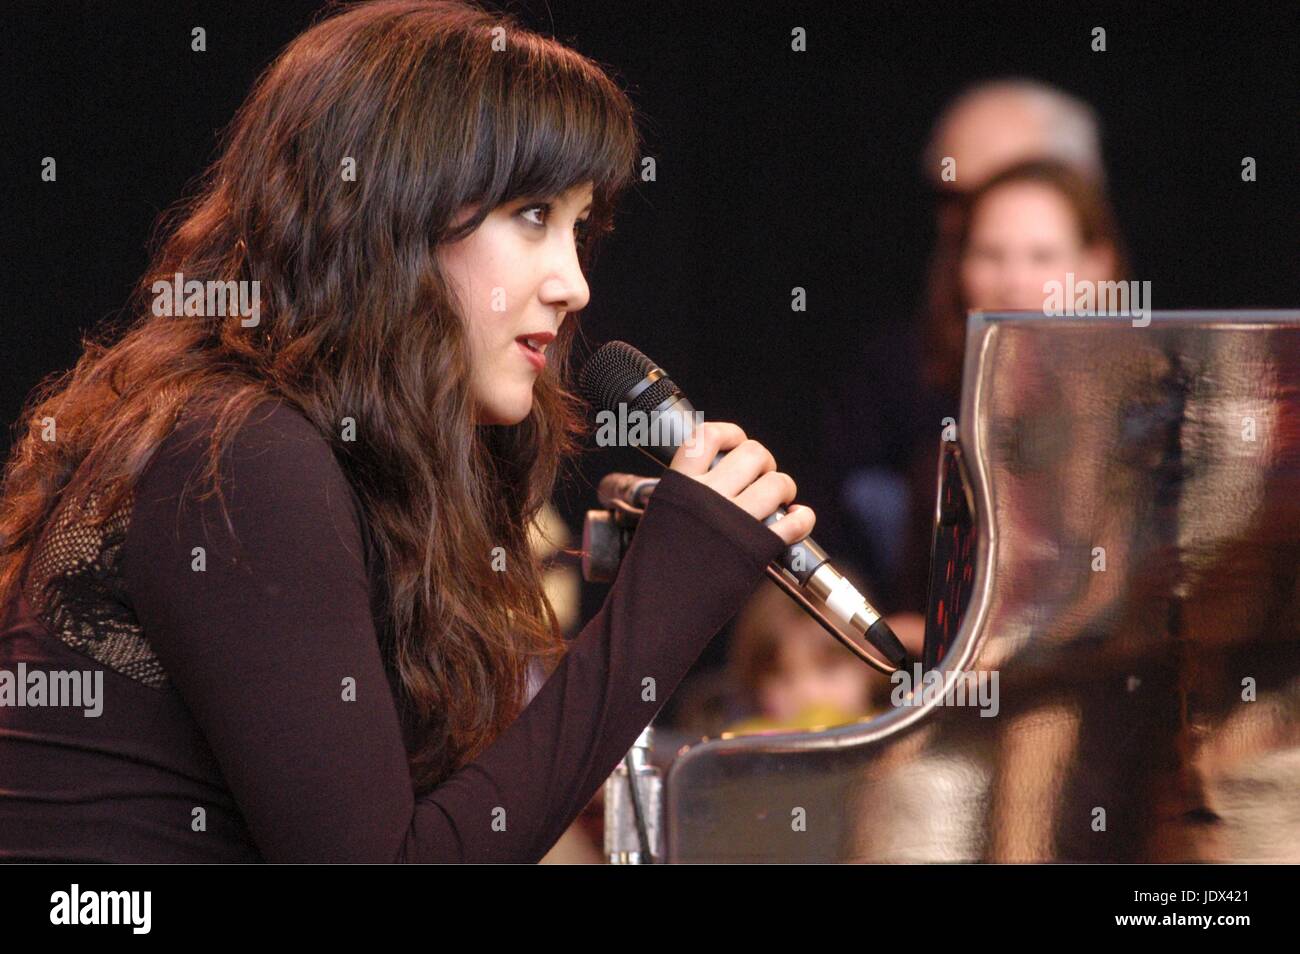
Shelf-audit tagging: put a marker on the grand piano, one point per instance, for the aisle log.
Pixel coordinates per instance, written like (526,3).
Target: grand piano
(1117,538)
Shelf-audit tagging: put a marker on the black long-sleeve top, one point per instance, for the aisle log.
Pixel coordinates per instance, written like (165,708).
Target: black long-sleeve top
(227,731)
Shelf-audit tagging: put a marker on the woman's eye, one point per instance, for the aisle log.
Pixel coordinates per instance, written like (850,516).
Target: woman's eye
(581,227)
(543,208)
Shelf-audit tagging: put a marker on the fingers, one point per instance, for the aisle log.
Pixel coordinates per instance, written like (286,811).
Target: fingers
(744,466)
(765,494)
(746,475)
(694,457)
(795,525)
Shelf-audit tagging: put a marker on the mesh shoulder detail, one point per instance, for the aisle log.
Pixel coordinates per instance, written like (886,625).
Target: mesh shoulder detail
(74,584)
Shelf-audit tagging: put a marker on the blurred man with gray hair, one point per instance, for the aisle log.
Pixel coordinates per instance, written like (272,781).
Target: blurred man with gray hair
(997,124)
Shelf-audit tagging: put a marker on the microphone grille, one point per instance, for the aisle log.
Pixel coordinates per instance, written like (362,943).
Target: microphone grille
(614,369)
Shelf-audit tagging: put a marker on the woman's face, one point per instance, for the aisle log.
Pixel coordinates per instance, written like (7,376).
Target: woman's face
(517,275)
(1022,235)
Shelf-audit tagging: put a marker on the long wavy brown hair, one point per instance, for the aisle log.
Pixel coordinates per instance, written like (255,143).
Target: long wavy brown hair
(440,106)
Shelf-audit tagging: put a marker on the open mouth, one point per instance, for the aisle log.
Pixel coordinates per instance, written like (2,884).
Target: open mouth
(535,356)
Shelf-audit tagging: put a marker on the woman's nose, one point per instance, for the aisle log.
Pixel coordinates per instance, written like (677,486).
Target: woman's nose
(566,286)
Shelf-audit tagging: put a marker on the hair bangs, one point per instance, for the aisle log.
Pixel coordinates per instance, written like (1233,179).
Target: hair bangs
(559,123)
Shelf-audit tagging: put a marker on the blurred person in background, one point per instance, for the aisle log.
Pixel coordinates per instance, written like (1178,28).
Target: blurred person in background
(998,124)
(883,423)
(1031,224)
(783,672)
(787,673)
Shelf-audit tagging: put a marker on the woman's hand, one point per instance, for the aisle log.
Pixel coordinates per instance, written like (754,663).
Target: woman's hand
(747,476)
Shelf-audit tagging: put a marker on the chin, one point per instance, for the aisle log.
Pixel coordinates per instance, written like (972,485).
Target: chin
(508,415)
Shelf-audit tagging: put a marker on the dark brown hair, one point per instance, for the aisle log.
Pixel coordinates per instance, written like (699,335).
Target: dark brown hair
(944,332)
(441,105)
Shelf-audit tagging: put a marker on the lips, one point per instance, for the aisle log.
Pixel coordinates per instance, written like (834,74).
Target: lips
(534,356)
(536,341)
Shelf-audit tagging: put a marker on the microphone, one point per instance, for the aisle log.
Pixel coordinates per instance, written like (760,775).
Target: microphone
(631,489)
(619,380)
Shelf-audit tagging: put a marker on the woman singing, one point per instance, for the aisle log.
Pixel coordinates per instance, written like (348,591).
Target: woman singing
(281,550)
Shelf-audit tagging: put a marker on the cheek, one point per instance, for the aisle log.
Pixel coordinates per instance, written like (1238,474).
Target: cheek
(976,278)
(847,686)
(771,695)
(479,269)
(480,299)
(1071,260)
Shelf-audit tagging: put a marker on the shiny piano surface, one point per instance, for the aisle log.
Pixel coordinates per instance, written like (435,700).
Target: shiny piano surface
(1132,575)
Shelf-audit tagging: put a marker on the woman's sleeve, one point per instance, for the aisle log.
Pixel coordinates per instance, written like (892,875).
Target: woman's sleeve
(271,643)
